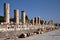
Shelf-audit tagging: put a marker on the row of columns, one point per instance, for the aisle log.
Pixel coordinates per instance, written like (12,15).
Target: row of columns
(16,15)
(37,21)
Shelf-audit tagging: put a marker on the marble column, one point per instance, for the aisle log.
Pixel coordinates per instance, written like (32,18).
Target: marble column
(33,21)
(23,17)
(38,20)
(6,12)
(16,16)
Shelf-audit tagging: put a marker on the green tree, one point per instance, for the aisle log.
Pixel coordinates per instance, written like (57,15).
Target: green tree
(1,18)
(41,21)
(26,17)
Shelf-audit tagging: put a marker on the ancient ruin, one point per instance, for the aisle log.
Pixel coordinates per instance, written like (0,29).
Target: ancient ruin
(7,12)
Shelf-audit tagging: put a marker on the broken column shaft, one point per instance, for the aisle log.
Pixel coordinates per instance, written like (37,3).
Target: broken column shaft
(23,17)
(16,16)
(6,12)
(33,21)
(38,20)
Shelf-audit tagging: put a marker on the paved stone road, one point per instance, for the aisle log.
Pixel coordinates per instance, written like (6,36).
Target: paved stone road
(53,35)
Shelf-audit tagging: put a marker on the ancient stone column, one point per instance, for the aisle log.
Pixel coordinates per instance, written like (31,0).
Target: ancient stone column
(38,20)
(16,16)
(6,12)
(23,17)
(33,21)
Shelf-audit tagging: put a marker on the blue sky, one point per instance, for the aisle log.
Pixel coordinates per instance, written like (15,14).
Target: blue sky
(46,9)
